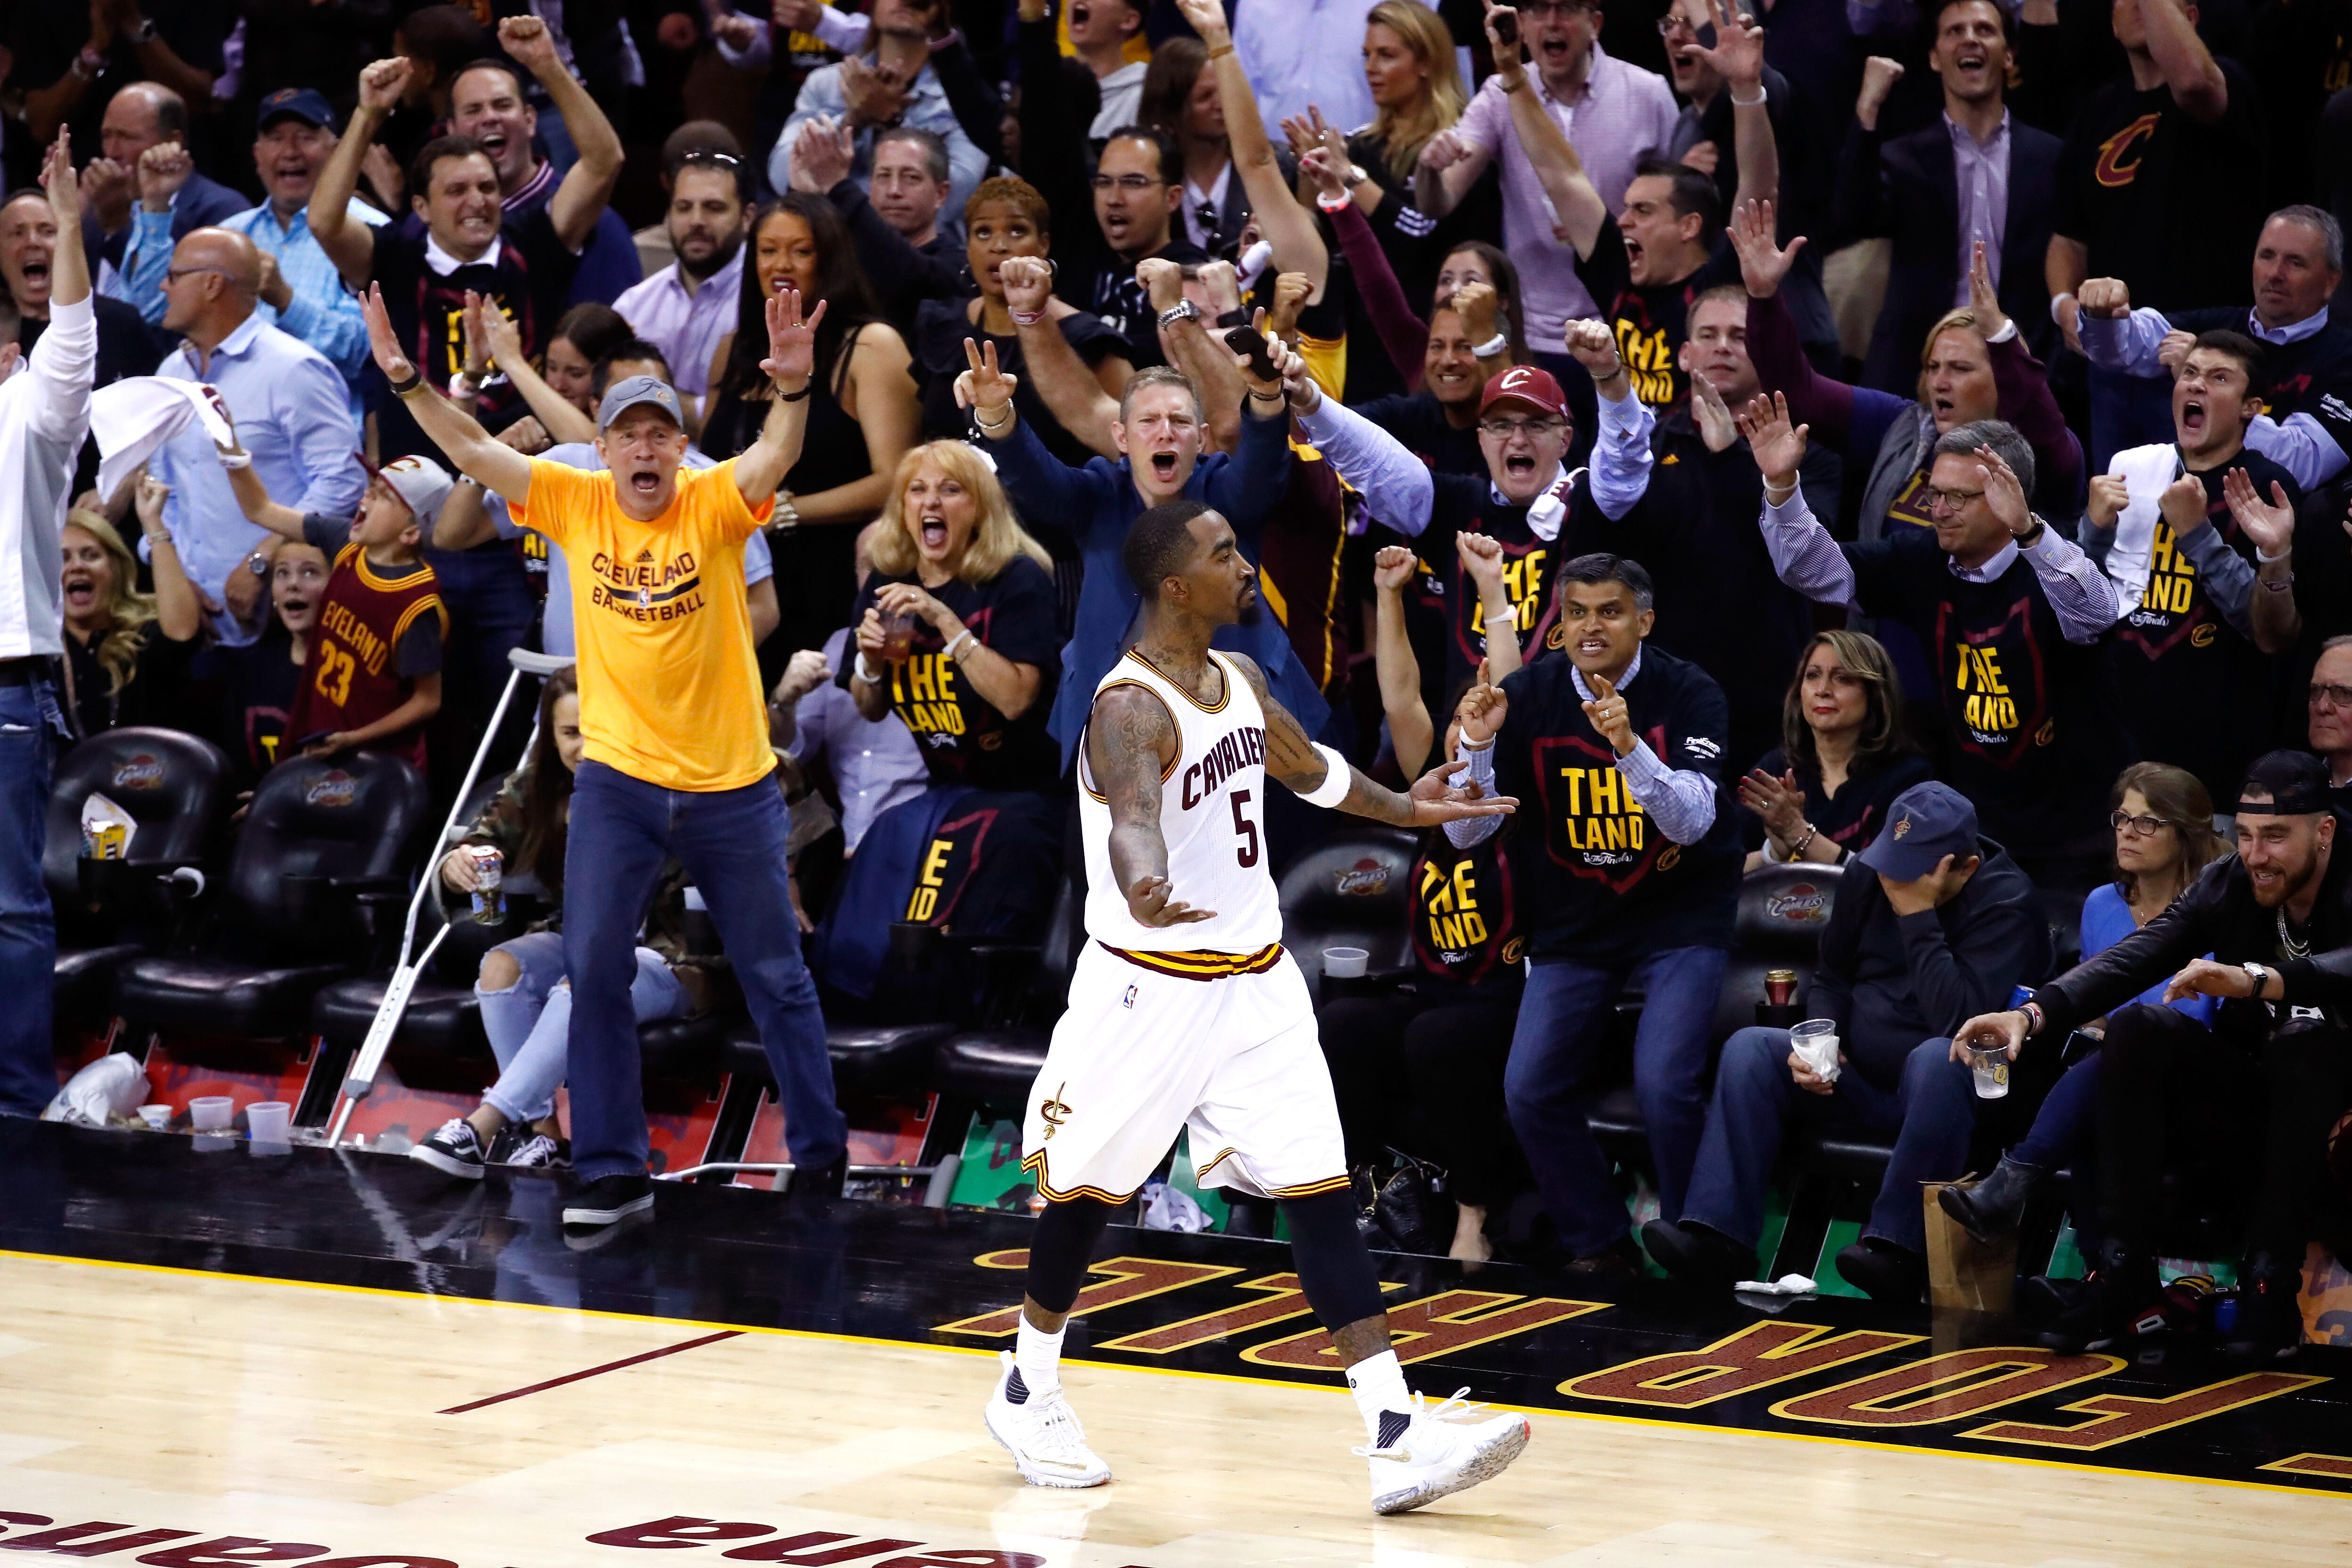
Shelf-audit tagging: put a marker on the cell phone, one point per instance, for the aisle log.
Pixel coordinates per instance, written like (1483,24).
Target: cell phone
(1506,26)
(305,744)
(1250,341)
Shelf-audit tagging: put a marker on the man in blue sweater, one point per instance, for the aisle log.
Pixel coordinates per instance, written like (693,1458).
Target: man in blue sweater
(1159,434)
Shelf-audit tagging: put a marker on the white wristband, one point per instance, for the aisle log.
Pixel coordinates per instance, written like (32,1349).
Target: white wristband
(2058,303)
(235,459)
(1492,346)
(866,671)
(1339,777)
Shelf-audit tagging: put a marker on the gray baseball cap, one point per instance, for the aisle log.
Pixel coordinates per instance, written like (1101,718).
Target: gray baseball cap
(624,396)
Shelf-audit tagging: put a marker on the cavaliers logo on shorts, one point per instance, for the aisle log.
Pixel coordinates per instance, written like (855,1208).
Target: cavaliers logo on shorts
(1052,1111)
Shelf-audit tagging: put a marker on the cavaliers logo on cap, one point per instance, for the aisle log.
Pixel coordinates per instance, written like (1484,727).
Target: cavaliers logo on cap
(1903,826)
(1516,377)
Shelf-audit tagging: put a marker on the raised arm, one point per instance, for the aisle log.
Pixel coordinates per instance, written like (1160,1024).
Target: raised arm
(1410,734)
(1773,344)
(491,462)
(791,364)
(490,333)
(2275,624)
(64,363)
(1060,379)
(1289,227)
(1401,332)
(179,613)
(587,185)
(2196,84)
(1316,774)
(1620,473)
(1131,745)
(1738,55)
(1550,152)
(350,245)
(1395,485)
(1803,555)
(2081,596)
(252,496)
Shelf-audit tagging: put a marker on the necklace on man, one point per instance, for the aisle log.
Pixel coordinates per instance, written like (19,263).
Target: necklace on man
(2292,948)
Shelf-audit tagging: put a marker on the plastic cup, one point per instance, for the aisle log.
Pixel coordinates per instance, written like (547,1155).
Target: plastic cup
(1345,962)
(1991,1065)
(211,1113)
(267,1121)
(157,1117)
(1816,1040)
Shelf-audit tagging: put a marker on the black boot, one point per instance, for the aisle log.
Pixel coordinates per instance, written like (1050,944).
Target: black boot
(1885,1271)
(2120,1299)
(2270,1315)
(1698,1254)
(1994,1207)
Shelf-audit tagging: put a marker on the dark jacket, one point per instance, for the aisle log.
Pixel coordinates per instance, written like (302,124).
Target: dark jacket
(2219,915)
(1096,504)
(1906,188)
(1891,981)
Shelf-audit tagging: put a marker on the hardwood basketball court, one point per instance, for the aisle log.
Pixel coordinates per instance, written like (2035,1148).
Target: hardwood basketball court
(340,1359)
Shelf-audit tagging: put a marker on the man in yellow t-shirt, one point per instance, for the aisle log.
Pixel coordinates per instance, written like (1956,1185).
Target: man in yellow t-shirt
(677,758)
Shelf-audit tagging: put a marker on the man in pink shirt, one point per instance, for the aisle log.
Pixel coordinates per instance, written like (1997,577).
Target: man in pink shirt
(1612,113)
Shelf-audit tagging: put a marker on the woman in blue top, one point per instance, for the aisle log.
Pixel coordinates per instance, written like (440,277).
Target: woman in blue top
(2163,821)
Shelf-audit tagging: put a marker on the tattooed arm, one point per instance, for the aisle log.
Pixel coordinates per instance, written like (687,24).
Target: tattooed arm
(1295,761)
(1131,745)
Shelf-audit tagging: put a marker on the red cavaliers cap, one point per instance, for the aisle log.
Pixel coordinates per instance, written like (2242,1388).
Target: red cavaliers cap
(1529,384)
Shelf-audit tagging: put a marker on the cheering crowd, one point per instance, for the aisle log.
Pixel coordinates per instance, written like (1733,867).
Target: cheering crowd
(1561,395)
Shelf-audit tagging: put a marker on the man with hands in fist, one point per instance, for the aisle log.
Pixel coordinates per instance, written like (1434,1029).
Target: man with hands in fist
(2257,1095)
(1627,872)
(2008,612)
(678,762)
(2197,631)
(1158,435)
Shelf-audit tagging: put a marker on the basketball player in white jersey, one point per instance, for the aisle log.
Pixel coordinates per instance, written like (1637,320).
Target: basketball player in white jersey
(1185,1013)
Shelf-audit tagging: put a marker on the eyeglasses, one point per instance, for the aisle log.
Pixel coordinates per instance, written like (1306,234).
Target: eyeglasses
(2140,827)
(1670,24)
(1537,10)
(1947,500)
(1134,184)
(2332,696)
(1507,428)
(178,273)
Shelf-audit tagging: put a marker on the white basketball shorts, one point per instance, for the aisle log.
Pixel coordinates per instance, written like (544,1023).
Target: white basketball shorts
(1222,1044)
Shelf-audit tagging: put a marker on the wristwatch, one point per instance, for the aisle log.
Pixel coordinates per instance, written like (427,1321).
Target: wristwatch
(2261,975)
(1182,310)
(257,564)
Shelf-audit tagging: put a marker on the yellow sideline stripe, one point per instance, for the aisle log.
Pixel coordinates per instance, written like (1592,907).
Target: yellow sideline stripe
(1157,1371)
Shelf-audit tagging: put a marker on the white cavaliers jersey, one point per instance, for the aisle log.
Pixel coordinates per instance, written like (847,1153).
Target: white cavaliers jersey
(1212,814)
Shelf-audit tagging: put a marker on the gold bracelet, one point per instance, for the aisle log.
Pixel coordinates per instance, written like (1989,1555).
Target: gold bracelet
(1221,50)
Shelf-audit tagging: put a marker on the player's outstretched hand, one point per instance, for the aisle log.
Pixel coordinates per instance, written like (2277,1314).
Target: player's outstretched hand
(1149,903)
(1437,798)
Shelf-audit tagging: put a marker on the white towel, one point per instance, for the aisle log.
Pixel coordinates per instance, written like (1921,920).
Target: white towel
(2144,471)
(137,415)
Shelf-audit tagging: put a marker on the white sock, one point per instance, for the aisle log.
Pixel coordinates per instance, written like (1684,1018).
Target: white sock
(1037,1357)
(1378,1384)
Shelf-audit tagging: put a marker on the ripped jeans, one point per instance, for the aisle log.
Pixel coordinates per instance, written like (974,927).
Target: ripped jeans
(530,1022)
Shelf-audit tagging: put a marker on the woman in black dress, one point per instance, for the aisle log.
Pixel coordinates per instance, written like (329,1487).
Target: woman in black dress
(1845,756)
(862,414)
(127,652)
(1005,218)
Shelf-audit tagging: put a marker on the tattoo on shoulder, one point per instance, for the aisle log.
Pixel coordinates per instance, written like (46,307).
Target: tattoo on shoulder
(1130,740)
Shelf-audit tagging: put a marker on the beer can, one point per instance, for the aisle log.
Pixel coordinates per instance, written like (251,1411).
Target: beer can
(490,904)
(1779,986)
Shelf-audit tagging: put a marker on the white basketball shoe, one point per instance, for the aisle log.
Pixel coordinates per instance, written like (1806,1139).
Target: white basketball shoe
(1434,1451)
(1042,1433)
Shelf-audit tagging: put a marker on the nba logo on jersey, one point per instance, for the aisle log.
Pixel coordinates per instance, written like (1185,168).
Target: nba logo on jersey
(1128,1001)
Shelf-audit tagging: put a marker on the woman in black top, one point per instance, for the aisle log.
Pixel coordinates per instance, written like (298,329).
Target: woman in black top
(862,414)
(127,654)
(1005,218)
(1824,792)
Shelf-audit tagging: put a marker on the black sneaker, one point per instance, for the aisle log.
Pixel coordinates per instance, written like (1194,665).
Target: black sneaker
(2119,1300)
(1883,1271)
(2270,1315)
(610,1198)
(454,1149)
(1697,1253)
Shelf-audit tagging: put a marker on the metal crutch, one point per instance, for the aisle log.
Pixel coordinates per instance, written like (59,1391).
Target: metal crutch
(361,1081)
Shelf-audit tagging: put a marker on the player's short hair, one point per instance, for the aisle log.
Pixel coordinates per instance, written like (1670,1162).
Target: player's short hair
(1159,542)
(934,146)
(2237,345)
(1602,567)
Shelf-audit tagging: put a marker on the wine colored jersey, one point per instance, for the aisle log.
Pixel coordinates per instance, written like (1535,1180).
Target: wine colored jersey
(366,652)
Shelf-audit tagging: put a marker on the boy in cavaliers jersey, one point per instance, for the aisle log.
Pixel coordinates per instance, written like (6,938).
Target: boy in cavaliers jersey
(2010,612)
(1185,1013)
(372,675)
(1629,870)
(1525,429)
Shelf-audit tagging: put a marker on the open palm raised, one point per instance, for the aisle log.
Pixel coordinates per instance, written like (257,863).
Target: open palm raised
(792,341)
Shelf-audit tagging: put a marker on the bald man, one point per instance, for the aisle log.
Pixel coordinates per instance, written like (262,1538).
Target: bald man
(123,203)
(291,413)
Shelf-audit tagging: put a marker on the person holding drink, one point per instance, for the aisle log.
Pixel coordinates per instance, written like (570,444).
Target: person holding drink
(1943,923)
(525,990)
(2256,1095)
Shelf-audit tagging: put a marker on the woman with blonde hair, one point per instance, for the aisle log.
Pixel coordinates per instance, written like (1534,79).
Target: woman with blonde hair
(126,653)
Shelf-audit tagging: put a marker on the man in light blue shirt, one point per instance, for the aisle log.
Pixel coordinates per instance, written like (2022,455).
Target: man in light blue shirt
(293,416)
(857,94)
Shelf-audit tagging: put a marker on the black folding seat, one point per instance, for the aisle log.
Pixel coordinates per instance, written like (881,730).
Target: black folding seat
(1353,889)
(990,1068)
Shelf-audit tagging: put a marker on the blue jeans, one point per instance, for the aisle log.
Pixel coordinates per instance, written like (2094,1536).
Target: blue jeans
(28,929)
(2062,1128)
(1563,1017)
(1931,1112)
(732,842)
(530,1022)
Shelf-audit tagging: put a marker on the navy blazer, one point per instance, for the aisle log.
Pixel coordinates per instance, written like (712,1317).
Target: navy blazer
(1906,188)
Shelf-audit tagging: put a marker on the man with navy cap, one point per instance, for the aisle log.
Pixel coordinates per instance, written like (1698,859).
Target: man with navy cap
(2255,1097)
(1945,928)
(301,292)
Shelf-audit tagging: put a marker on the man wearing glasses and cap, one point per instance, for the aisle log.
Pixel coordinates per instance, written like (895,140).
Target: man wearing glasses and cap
(2256,1096)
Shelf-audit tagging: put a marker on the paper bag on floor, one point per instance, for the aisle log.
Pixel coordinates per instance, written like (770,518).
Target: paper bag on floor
(1963,1273)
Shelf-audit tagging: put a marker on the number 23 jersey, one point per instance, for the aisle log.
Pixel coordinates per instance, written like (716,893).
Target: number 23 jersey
(1211,816)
